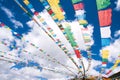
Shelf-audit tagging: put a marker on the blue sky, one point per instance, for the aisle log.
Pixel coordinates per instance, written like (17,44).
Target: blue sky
(14,17)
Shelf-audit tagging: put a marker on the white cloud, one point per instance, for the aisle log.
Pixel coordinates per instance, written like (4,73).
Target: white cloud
(117,33)
(5,36)
(92,71)
(118,5)
(8,12)
(11,16)
(14,74)
(16,23)
(5,72)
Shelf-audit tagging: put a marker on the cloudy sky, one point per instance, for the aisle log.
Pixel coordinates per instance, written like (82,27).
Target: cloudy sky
(27,58)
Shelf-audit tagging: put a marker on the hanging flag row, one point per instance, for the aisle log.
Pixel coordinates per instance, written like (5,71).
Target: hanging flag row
(2,58)
(71,39)
(79,11)
(66,30)
(57,41)
(56,9)
(51,58)
(104,15)
(80,15)
(104,21)
(4,55)
(50,11)
(54,36)
(86,35)
(114,66)
(78,6)
(55,60)
(105,55)
(41,67)
(48,28)
(87,41)
(37,15)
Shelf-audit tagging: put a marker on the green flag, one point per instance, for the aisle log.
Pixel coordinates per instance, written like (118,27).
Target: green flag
(101,4)
(104,60)
(75,1)
(70,37)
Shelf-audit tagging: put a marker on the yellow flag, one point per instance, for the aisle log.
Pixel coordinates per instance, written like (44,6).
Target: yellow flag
(23,39)
(52,33)
(8,28)
(83,22)
(26,2)
(56,9)
(116,64)
(67,24)
(118,61)
(105,53)
(86,37)
(52,2)
(41,19)
(54,17)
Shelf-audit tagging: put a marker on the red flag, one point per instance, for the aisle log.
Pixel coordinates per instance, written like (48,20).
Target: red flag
(77,52)
(50,12)
(2,24)
(104,62)
(62,9)
(78,6)
(105,17)
(109,72)
(36,13)
(84,29)
(17,34)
